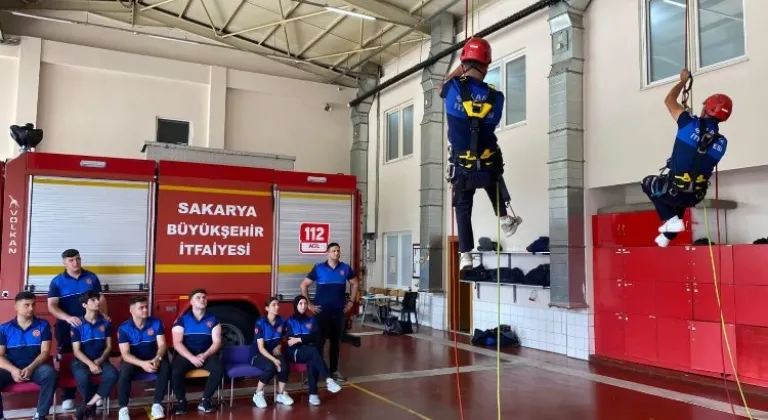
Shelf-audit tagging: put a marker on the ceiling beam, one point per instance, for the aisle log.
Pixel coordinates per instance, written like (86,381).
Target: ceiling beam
(196,28)
(389,12)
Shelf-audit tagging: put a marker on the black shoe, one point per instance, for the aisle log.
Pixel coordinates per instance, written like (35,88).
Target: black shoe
(181,408)
(336,376)
(85,412)
(205,406)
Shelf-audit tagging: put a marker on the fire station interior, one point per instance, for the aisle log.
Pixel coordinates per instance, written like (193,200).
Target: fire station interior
(224,144)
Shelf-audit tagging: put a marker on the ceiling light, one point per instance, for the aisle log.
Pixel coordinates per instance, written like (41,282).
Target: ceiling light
(349,12)
(50,19)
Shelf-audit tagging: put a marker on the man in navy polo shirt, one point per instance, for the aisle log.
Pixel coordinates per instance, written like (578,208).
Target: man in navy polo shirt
(330,303)
(91,343)
(25,343)
(64,303)
(143,348)
(197,340)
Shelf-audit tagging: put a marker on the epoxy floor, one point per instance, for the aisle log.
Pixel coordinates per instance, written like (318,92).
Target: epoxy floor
(414,377)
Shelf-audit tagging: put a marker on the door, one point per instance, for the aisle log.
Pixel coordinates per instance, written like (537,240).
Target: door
(674,342)
(708,350)
(640,337)
(752,362)
(674,300)
(705,302)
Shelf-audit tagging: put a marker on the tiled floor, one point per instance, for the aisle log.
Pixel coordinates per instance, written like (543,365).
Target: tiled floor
(414,377)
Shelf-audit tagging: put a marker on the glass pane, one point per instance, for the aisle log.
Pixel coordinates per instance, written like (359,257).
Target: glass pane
(666,38)
(393,125)
(406,256)
(515,91)
(493,77)
(408,130)
(721,30)
(390,259)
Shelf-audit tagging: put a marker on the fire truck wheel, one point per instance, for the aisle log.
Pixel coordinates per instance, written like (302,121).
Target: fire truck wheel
(236,325)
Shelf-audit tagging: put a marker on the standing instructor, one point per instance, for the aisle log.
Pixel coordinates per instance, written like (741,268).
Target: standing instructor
(330,304)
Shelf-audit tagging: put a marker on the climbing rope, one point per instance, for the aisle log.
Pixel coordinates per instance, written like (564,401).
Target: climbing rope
(498,299)
(454,308)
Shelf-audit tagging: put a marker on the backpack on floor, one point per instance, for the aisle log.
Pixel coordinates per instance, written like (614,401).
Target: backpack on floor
(394,326)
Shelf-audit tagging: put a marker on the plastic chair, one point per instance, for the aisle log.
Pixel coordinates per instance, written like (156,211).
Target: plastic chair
(201,373)
(67,378)
(151,377)
(299,368)
(28,388)
(237,364)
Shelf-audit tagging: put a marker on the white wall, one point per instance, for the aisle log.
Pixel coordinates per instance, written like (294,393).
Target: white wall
(8,66)
(105,102)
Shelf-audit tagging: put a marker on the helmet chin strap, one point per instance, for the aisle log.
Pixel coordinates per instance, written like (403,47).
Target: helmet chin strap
(465,67)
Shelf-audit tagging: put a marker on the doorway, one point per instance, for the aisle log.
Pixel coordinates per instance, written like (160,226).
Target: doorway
(462,290)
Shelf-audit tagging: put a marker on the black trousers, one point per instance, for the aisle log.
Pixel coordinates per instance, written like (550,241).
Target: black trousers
(463,200)
(128,372)
(316,368)
(107,379)
(269,370)
(45,376)
(330,327)
(64,345)
(668,205)
(180,366)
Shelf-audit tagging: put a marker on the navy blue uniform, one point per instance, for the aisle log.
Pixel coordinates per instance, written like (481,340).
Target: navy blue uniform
(69,290)
(198,338)
(143,342)
(459,138)
(682,163)
(305,328)
(331,296)
(272,334)
(93,342)
(22,346)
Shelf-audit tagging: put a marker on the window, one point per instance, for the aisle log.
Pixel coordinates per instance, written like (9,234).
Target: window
(717,35)
(172,131)
(509,77)
(399,132)
(398,259)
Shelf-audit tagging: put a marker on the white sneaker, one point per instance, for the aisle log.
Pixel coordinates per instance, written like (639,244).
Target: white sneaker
(123,414)
(332,386)
(510,224)
(68,405)
(662,240)
(100,403)
(465,260)
(157,412)
(314,400)
(673,225)
(258,399)
(284,399)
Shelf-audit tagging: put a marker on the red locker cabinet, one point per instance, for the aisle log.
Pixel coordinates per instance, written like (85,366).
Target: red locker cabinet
(625,280)
(750,278)
(633,229)
(709,352)
(751,350)
(609,335)
(605,231)
(674,343)
(641,337)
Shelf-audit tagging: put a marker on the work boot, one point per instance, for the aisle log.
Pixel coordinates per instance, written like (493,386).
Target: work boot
(465,261)
(510,224)
(673,225)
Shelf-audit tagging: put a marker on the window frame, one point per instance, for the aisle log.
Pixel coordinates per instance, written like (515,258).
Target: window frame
(401,262)
(400,130)
(694,45)
(502,66)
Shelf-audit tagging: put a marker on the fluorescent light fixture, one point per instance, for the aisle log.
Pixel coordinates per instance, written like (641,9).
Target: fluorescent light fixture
(50,19)
(349,12)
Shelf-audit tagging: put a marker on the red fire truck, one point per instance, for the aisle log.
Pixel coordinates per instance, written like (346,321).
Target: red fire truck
(162,228)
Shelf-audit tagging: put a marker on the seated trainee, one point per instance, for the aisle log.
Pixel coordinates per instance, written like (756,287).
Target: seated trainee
(25,343)
(91,344)
(267,355)
(301,331)
(142,346)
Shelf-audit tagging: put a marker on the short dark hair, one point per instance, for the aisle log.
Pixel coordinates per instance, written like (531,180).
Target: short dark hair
(196,291)
(333,244)
(270,300)
(138,299)
(24,296)
(91,294)
(70,253)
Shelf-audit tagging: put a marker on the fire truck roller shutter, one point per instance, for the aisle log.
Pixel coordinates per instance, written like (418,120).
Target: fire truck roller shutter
(107,221)
(295,209)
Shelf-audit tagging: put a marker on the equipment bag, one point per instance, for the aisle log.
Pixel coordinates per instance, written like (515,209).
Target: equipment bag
(394,326)
(509,338)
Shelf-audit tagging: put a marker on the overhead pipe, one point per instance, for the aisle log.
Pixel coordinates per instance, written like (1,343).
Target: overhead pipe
(543,4)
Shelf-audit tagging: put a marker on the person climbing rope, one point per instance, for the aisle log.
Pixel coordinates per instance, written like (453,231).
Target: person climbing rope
(474,109)
(683,182)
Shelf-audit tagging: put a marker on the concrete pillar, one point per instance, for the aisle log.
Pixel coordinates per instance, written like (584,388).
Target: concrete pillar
(566,156)
(432,231)
(360,139)
(217,107)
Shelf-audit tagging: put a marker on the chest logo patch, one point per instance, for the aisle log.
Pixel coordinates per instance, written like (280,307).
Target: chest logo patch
(209,324)
(309,326)
(279,329)
(88,281)
(150,332)
(36,333)
(101,328)
(256,330)
(342,272)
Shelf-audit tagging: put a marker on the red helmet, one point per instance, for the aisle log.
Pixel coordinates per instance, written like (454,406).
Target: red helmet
(718,106)
(476,49)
